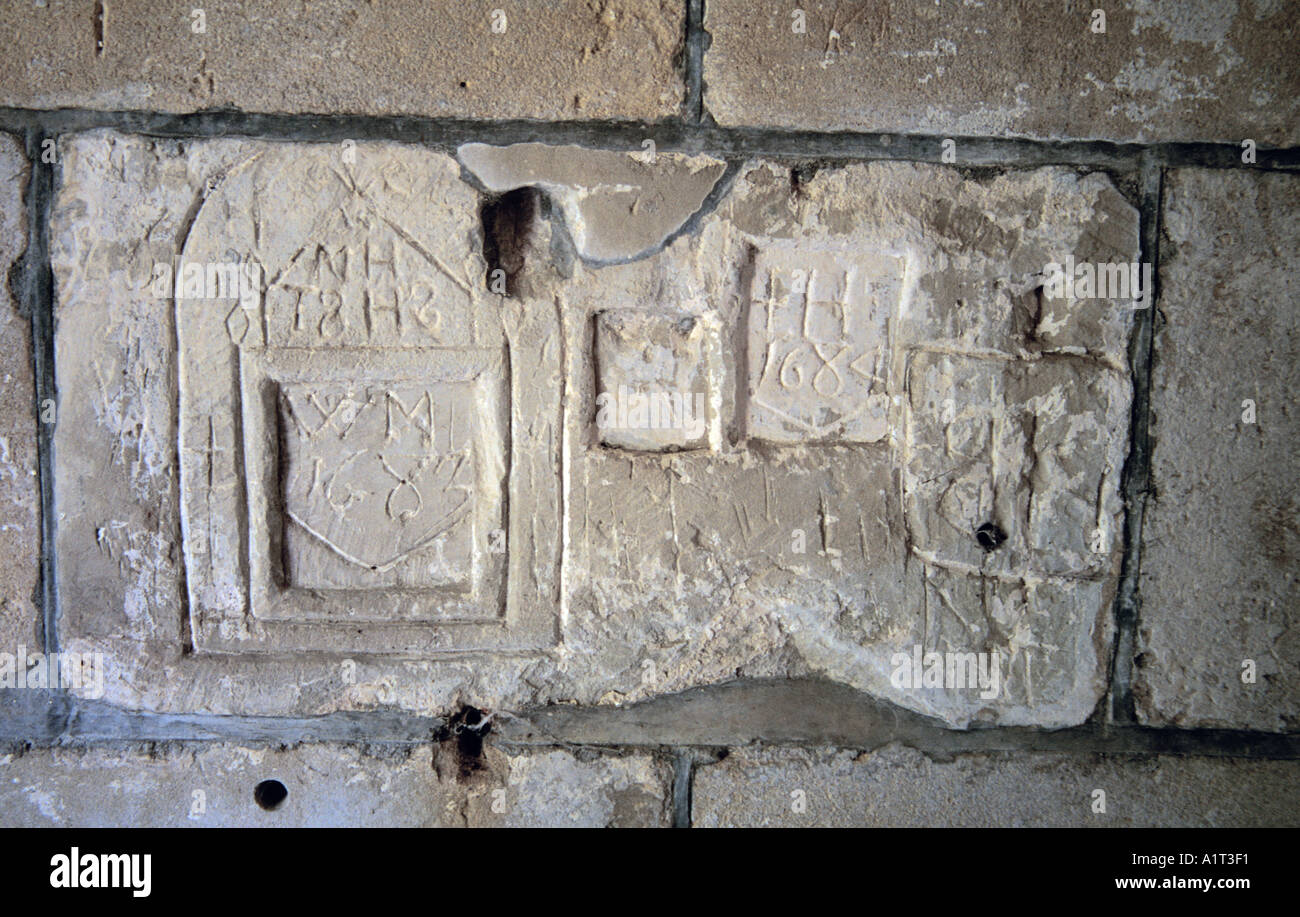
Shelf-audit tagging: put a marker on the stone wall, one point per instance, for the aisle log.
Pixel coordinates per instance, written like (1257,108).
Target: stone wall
(645,412)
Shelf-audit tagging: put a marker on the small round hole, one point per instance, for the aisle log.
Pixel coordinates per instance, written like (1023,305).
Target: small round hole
(269,794)
(990,536)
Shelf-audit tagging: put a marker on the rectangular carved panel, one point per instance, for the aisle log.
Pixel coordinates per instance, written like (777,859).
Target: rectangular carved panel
(819,343)
(347,468)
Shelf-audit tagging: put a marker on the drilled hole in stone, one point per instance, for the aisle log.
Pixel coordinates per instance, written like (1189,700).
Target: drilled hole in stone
(269,794)
(1027,316)
(990,536)
(462,737)
(800,176)
(508,221)
(99,29)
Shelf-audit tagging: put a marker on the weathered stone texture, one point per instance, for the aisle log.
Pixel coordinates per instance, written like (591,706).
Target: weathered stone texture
(544,60)
(20,536)
(901,787)
(1221,536)
(329,786)
(1162,70)
(882,375)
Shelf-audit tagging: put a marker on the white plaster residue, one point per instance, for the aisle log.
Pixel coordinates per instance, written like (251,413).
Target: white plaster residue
(1203,21)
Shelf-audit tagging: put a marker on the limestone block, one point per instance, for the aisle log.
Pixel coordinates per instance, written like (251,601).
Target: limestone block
(225,785)
(470,59)
(20,494)
(1146,70)
(1221,534)
(900,787)
(781,553)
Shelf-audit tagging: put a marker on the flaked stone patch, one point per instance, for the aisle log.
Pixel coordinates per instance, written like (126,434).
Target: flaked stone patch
(1026,452)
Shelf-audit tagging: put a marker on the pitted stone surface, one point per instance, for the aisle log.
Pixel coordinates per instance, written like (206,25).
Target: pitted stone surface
(1221,535)
(1161,70)
(816,541)
(901,787)
(20,535)
(473,58)
(329,786)
(617,206)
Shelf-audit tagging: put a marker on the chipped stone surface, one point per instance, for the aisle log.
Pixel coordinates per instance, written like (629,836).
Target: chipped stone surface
(1162,70)
(901,787)
(617,206)
(1221,535)
(20,535)
(555,565)
(329,786)
(545,60)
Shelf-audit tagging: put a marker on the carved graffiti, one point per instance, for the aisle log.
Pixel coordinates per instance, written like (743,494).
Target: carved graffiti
(818,338)
(379,476)
(364,281)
